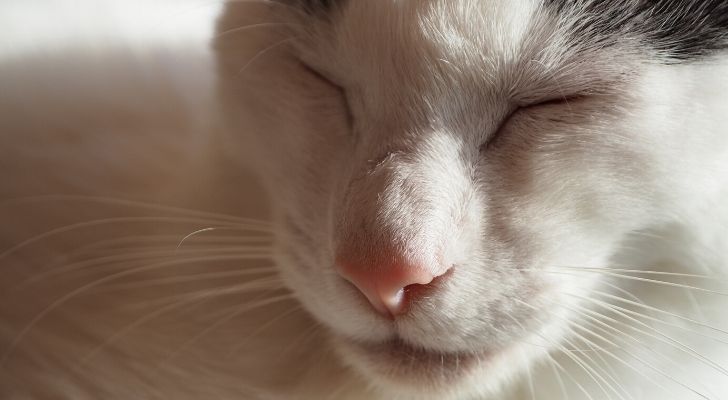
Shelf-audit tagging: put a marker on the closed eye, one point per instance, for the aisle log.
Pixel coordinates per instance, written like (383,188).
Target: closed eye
(563,101)
(320,75)
(325,78)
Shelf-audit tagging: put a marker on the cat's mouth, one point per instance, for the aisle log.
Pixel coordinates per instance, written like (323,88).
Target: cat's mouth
(399,361)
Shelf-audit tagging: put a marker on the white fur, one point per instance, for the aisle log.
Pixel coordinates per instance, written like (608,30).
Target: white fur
(631,176)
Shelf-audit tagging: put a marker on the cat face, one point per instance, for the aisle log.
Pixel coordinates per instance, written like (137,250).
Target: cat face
(497,149)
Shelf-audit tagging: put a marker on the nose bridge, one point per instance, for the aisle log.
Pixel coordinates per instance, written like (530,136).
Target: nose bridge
(397,225)
(399,207)
(384,209)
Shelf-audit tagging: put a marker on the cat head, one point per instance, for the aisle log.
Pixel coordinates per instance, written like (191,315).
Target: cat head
(447,173)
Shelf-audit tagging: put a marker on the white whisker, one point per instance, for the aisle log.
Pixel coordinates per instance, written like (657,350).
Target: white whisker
(108,221)
(137,204)
(669,314)
(263,52)
(188,278)
(117,261)
(59,302)
(617,334)
(253,26)
(196,298)
(658,335)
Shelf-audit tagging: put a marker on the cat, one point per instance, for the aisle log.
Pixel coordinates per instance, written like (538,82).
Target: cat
(467,200)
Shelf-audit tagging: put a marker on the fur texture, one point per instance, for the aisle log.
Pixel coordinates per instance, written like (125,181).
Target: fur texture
(569,159)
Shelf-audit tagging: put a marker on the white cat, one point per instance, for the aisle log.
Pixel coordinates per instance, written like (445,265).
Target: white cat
(473,199)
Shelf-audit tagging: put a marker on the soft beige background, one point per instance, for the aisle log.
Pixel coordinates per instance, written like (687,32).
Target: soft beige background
(103,102)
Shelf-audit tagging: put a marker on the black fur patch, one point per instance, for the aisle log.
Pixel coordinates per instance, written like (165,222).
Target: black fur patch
(313,6)
(681,30)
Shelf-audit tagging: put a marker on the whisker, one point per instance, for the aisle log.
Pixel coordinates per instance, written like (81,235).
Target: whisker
(606,368)
(253,26)
(591,371)
(626,363)
(164,241)
(119,246)
(187,278)
(639,271)
(135,204)
(199,297)
(263,52)
(669,314)
(559,378)
(566,353)
(262,327)
(579,362)
(529,378)
(570,376)
(109,221)
(695,305)
(59,302)
(634,278)
(197,232)
(592,321)
(276,284)
(115,260)
(658,335)
(642,304)
(309,333)
(236,311)
(619,333)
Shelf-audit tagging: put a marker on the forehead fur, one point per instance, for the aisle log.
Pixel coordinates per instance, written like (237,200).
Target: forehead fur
(436,58)
(674,31)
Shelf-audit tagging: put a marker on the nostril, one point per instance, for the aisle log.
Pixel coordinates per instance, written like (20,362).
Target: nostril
(415,292)
(390,289)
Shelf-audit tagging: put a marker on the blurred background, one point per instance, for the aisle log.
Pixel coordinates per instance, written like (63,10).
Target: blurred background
(107,141)
(110,98)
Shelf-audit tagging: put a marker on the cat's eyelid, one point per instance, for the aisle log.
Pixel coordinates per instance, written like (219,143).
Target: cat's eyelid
(320,74)
(512,110)
(555,100)
(516,108)
(563,100)
(331,81)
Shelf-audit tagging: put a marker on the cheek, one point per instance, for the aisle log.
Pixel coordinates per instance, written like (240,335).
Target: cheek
(562,185)
(579,159)
(290,123)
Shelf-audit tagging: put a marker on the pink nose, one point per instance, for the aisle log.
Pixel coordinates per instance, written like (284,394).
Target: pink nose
(388,287)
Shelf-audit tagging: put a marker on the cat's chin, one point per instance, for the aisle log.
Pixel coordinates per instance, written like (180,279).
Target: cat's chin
(397,367)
